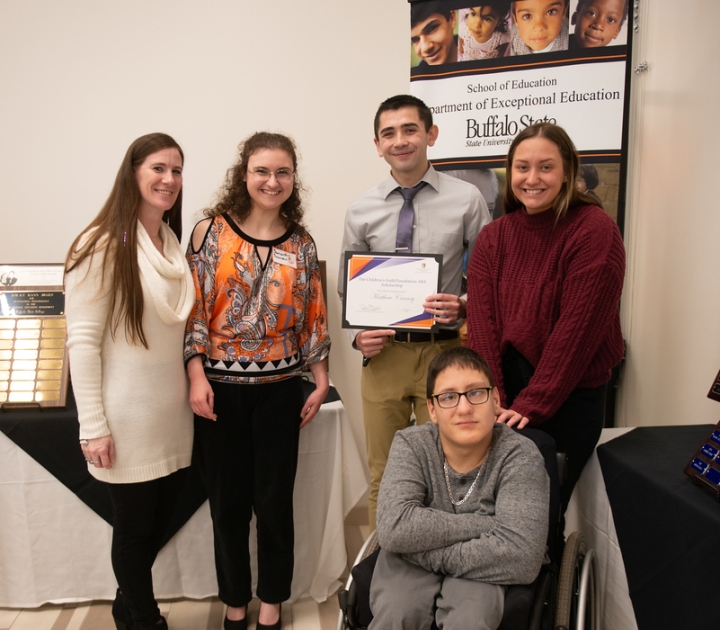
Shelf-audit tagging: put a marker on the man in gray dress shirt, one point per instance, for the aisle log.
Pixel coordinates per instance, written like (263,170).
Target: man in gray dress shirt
(463,508)
(448,215)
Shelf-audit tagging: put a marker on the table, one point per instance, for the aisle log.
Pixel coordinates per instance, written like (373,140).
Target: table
(589,512)
(666,526)
(654,532)
(54,548)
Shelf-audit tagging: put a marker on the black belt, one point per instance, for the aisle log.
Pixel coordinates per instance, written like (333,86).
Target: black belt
(416,337)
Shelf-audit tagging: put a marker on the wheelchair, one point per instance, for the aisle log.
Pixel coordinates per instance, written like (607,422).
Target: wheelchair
(562,597)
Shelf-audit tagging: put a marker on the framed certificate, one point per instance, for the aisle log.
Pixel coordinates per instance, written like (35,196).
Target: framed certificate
(388,290)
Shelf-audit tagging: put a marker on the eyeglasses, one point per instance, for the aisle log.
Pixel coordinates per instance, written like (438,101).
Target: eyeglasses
(477,396)
(283,175)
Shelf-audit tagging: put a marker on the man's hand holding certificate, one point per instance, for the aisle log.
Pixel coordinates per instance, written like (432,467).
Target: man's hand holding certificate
(384,291)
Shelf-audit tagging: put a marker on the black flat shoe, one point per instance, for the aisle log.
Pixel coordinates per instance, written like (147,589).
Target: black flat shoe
(237,624)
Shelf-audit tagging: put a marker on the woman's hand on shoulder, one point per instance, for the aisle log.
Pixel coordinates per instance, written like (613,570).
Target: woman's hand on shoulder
(99,452)
(511,418)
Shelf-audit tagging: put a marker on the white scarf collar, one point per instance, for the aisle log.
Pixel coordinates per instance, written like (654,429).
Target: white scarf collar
(154,267)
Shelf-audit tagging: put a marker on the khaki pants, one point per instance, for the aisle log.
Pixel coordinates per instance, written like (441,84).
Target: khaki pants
(393,385)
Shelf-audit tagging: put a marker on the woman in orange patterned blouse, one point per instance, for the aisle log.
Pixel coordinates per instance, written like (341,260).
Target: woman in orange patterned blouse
(259,321)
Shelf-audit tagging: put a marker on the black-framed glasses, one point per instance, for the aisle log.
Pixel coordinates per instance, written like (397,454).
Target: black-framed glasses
(476,396)
(283,175)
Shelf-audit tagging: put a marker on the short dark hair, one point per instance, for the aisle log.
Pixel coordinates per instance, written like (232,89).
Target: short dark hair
(569,195)
(459,356)
(589,173)
(404,100)
(420,11)
(583,3)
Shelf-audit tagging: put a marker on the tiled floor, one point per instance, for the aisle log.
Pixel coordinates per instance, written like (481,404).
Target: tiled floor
(187,614)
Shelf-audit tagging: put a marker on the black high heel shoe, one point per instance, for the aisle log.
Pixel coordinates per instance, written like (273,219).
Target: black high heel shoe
(236,624)
(158,625)
(120,613)
(123,618)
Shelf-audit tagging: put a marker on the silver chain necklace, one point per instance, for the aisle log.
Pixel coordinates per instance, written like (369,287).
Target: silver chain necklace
(472,487)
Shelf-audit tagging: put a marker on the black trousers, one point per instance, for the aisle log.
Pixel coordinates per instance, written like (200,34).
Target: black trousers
(575,427)
(142,513)
(247,459)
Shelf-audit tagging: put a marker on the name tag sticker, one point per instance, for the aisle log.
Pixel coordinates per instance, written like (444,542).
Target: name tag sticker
(284,258)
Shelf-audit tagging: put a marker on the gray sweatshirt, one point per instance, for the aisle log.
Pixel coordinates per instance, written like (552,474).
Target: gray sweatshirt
(497,536)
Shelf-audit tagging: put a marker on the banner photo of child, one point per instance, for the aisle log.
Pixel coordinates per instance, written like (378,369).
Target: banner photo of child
(598,23)
(484,31)
(539,26)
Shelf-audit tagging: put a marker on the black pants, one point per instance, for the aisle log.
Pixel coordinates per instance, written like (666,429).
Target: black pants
(247,459)
(142,513)
(575,427)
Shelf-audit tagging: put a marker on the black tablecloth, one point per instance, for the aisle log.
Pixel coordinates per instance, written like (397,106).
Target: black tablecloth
(50,437)
(667,527)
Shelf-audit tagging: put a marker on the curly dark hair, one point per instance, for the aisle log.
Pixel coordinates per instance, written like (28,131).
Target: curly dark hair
(234,196)
(502,7)
(583,3)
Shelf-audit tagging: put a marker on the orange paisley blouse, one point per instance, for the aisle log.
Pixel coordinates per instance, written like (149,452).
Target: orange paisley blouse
(255,322)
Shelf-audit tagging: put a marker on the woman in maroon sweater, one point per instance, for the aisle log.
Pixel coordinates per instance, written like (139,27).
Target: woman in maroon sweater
(544,284)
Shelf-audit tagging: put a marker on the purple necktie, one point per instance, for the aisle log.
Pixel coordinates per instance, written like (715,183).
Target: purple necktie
(403,240)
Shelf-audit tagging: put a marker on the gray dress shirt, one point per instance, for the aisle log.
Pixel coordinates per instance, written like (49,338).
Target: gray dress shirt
(449,215)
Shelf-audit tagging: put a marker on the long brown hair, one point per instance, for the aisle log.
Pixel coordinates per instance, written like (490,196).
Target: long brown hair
(113,234)
(569,195)
(234,196)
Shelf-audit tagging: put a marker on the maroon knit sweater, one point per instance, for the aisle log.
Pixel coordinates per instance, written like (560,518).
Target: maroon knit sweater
(552,292)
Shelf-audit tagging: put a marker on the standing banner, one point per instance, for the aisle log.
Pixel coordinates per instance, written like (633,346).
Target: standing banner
(488,71)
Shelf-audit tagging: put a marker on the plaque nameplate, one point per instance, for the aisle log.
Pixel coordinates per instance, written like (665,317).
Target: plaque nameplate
(31,303)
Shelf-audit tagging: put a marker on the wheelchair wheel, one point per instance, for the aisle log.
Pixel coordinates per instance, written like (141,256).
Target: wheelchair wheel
(577,602)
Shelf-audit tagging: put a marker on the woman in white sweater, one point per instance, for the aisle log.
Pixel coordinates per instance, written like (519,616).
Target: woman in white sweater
(128,295)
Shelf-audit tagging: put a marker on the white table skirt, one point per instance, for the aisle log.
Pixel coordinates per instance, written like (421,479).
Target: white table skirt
(589,512)
(53,548)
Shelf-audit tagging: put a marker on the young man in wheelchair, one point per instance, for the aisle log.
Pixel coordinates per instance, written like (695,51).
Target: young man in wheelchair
(462,510)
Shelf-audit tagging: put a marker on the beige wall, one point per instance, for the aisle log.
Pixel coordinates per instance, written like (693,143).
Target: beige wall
(671,306)
(80,80)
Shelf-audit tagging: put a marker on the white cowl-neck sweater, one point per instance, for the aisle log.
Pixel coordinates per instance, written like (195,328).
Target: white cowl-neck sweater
(137,395)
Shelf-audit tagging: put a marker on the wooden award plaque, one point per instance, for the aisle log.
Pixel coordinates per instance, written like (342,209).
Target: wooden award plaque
(33,354)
